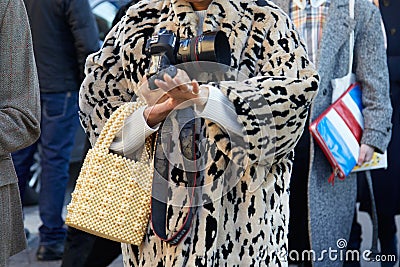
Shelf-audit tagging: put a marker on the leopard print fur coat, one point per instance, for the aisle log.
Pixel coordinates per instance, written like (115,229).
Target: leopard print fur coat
(243,218)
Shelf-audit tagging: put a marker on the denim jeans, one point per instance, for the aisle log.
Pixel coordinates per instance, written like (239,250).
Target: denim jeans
(59,124)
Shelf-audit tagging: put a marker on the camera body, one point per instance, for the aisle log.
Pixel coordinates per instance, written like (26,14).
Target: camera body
(166,50)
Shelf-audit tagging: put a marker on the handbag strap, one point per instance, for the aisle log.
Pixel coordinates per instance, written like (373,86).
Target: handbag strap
(115,123)
(351,40)
(160,188)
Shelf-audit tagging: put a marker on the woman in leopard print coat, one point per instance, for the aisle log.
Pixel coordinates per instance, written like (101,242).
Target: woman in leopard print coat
(242,218)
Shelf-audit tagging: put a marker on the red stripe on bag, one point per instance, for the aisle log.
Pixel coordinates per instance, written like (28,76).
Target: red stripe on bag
(349,119)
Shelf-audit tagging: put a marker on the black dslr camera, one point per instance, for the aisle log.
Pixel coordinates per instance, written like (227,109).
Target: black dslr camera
(166,50)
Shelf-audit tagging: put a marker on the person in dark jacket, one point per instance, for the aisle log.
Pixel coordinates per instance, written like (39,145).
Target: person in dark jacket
(387,182)
(122,11)
(64,32)
(321,214)
(83,249)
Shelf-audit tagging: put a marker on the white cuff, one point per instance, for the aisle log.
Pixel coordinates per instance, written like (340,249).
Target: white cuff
(133,134)
(219,109)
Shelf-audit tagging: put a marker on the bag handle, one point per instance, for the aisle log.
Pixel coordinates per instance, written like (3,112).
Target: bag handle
(115,123)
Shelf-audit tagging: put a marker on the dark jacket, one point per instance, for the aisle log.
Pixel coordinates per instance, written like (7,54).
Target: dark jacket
(390,16)
(386,181)
(64,34)
(122,10)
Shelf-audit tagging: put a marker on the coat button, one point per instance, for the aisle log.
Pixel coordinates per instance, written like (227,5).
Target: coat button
(393,31)
(324,92)
(386,3)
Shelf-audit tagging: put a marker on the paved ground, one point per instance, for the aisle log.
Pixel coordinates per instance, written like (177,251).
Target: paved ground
(27,257)
(32,222)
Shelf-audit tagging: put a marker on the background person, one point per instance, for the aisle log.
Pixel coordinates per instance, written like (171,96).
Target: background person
(122,11)
(320,214)
(386,182)
(81,248)
(19,118)
(243,226)
(64,33)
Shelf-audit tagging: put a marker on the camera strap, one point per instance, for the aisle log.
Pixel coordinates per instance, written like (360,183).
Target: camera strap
(160,187)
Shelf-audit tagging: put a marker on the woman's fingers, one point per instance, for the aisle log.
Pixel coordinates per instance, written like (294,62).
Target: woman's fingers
(181,81)
(150,96)
(366,153)
(195,87)
(181,91)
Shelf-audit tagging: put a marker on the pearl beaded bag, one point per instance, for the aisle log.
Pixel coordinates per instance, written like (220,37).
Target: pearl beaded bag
(112,193)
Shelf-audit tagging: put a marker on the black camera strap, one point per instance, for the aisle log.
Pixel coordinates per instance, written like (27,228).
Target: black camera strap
(160,193)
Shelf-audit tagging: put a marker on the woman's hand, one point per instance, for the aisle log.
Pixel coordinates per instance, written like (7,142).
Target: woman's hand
(178,93)
(151,97)
(366,153)
(180,89)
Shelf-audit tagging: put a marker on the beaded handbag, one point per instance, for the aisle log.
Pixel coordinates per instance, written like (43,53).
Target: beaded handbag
(112,195)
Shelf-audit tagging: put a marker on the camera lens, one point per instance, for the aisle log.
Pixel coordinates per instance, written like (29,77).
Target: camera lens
(211,46)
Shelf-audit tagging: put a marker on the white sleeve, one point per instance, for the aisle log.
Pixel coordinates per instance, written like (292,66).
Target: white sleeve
(133,134)
(220,110)
(135,130)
